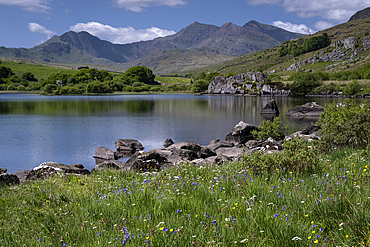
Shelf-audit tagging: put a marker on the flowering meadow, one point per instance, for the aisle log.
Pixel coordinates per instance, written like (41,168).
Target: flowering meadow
(196,205)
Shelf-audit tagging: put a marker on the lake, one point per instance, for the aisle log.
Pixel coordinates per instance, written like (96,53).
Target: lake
(68,129)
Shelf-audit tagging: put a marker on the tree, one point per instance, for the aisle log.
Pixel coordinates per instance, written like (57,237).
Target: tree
(199,86)
(5,72)
(138,74)
(304,83)
(28,76)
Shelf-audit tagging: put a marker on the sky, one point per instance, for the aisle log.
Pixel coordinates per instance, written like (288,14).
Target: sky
(28,23)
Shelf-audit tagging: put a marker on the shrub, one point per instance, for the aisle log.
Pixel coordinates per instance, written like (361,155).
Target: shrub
(98,87)
(305,82)
(199,86)
(352,88)
(266,129)
(298,155)
(345,124)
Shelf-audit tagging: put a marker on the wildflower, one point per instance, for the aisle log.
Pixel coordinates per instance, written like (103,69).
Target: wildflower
(309,237)
(160,223)
(98,234)
(346,236)
(242,241)
(296,238)
(316,241)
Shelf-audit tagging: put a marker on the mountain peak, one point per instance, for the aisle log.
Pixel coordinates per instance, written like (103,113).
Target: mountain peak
(362,14)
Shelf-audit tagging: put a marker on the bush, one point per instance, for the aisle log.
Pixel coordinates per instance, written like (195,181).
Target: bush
(345,125)
(199,86)
(49,88)
(298,156)
(352,88)
(305,83)
(98,87)
(266,129)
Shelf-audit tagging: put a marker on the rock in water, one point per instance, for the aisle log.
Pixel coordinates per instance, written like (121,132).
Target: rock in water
(308,110)
(271,108)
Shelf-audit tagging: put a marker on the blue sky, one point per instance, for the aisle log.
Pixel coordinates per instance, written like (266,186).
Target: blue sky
(27,23)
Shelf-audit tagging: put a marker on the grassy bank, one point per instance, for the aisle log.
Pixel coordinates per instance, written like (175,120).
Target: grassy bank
(193,205)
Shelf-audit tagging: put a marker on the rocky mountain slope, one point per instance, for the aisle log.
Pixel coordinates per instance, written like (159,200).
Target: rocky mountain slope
(365,13)
(210,43)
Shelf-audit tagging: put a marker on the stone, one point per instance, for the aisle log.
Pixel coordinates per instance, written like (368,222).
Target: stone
(308,110)
(233,153)
(271,108)
(110,164)
(49,169)
(3,170)
(22,175)
(8,179)
(128,146)
(221,159)
(146,161)
(205,152)
(240,134)
(168,142)
(104,154)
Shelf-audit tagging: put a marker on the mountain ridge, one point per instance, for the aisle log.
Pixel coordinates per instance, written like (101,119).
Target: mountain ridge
(224,43)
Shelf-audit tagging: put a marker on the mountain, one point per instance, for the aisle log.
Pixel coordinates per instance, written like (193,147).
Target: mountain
(365,13)
(207,44)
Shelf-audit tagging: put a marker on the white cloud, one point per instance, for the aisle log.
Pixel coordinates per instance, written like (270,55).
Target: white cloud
(37,28)
(120,35)
(321,25)
(29,5)
(139,5)
(334,10)
(296,28)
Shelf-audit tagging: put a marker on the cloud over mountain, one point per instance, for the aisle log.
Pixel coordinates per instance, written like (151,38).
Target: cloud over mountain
(120,35)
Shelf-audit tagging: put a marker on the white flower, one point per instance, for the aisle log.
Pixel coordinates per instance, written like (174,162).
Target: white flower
(249,209)
(160,223)
(242,241)
(302,201)
(296,238)
(227,219)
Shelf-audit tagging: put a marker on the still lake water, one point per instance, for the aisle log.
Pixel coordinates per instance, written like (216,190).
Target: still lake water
(68,129)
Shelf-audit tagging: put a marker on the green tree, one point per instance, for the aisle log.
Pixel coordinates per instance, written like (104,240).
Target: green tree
(28,76)
(352,88)
(266,129)
(304,83)
(5,72)
(138,74)
(199,86)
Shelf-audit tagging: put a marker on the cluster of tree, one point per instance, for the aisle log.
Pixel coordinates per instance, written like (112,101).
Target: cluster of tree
(11,81)
(302,45)
(202,80)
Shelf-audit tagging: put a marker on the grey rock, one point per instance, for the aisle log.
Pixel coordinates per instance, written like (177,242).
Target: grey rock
(104,154)
(168,142)
(49,169)
(205,152)
(8,179)
(127,146)
(311,110)
(240,134)
(146,161)
(233,153)
(22,175)
(271,108)
(221,159)
(110,164)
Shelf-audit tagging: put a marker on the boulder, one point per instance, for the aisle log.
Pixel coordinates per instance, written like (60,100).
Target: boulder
(188,145)
(128,146)
(8,179)
(168,142)
(103,153)
(221,159)
(308,110)
(309,133)
(109,164)
(22,175)
(240,134)
(3,170)
(215,144)
(205,152)
(233,153)
(146,161)
(49,169)
(271,108)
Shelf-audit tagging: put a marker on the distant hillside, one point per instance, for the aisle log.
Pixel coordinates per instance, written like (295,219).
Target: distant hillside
(365,13)
(349,49)
(204,44)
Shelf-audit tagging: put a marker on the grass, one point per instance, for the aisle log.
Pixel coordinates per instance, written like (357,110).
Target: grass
(172,80)
(194,205)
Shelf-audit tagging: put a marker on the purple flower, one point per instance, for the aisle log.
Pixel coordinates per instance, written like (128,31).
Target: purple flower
(98,234)
(165,229)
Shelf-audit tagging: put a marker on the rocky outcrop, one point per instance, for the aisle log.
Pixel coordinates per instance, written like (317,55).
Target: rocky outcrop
(271,108)
(309,133)
(268,90)
(240,134)
(168,142)
(103,154)
(110,164)
(50,169)
(237,84)
(308,110)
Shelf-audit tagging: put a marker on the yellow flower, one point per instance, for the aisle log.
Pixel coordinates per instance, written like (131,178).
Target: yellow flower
(346,236)
(313,231)
(147,238)
(196,215)
(47,201)
(171,230)
(309,237)
(161,228)
(364,170)
(306,215)
(236,204)
(314,189)
(316,241)
(233,207)
(312,222)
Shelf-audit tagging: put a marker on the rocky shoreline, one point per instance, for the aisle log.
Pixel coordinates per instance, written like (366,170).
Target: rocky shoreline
(238,142)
